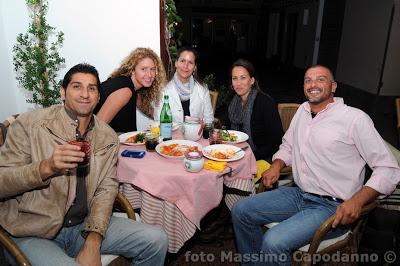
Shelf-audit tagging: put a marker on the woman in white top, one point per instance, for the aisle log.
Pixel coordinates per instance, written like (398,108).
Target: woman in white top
(186,95)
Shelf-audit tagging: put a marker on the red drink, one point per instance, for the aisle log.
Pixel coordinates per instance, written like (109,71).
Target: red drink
(85,147)
(214,137)
(215,141)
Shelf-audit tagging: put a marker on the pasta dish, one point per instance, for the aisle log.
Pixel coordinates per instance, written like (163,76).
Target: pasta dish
(177,149)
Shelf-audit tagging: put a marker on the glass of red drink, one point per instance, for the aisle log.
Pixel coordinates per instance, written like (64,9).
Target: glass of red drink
(85,147)
(214,136)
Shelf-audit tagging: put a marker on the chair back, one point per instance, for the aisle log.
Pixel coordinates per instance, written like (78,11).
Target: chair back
(214,98)
(286,112)
(4,127)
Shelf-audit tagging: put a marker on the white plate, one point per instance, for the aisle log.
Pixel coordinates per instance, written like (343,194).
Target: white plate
(178,141)
(207,152)
(242,137)
(175,125)
(125,136)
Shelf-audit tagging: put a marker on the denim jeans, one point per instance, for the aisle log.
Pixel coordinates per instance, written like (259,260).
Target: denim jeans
(142,243)
(299,215)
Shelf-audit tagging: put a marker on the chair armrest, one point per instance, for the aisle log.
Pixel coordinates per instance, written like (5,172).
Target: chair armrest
(13,249)
(122,203)
(287,170)
(327,226)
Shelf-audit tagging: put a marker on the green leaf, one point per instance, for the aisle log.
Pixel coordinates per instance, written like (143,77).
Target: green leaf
(36,58)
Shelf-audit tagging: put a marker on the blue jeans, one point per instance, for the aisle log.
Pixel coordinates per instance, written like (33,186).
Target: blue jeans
(299,215)
(142,243)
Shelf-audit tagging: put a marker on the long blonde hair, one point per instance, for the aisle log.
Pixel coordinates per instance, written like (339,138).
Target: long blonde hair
(150,95)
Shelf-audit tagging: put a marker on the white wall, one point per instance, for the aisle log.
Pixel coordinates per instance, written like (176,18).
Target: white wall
(7,93)
(99,32)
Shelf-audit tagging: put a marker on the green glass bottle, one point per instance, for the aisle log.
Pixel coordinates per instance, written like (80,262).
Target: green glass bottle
(166,120)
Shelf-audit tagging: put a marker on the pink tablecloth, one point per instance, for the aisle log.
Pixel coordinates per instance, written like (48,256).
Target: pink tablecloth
(194,194)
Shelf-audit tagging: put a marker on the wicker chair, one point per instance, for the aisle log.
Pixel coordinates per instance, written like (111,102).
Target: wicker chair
(4,126)
(286,113)
(121,204)
(214,99)
(348,241)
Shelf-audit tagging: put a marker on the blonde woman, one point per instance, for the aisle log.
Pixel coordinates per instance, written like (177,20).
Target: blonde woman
(135,84)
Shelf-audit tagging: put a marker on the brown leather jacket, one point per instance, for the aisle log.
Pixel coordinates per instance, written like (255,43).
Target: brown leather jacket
(31,207)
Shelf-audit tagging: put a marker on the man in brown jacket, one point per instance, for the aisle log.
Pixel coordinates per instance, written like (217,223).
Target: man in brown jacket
(59,213)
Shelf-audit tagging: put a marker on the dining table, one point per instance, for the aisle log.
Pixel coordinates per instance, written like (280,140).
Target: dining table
(175,199)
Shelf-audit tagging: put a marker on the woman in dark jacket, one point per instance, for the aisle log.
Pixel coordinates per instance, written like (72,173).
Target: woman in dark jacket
(254,112)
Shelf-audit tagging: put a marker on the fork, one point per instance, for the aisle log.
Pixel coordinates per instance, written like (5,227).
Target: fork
(242,149)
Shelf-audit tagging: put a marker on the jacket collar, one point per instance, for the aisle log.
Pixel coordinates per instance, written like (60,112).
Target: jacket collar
(74,117)
(62,125)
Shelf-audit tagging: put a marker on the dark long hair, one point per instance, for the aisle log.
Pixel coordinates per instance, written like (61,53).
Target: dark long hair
(250,68)
(196,59)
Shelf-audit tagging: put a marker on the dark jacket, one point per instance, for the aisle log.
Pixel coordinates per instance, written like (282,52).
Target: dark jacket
(266,126)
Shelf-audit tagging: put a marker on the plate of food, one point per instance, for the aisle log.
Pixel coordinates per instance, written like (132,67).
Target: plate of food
(223,152)
(233,136)
(132,138)
(173,149)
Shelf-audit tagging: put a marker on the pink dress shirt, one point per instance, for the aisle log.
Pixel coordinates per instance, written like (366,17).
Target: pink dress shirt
(328,153)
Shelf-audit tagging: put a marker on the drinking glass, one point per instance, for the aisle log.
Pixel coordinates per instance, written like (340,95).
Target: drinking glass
(151,141)
(214,136)
(206,130)
(155,129)
(85,147)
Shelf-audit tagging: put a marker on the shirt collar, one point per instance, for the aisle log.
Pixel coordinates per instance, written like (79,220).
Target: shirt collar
(74,117)
(336,101)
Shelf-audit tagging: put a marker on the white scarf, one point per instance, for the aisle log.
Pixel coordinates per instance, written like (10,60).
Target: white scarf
(184,90)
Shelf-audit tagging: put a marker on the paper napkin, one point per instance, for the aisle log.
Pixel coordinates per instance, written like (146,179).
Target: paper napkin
(215,166)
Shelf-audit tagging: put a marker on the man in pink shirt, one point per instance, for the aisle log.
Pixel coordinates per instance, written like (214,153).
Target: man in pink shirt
(328,145)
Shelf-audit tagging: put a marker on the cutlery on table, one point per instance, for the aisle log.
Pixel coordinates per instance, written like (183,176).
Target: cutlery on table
(242,149)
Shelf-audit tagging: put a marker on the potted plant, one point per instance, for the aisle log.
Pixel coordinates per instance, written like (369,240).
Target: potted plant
(224,94)
(172,40)
(37,61)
